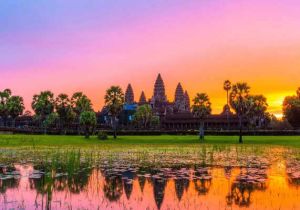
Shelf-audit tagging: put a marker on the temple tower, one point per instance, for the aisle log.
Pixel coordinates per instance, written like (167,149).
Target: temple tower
(129,95)
(179,99)
(187,101)
(159,90)
(143,99)
(179,95)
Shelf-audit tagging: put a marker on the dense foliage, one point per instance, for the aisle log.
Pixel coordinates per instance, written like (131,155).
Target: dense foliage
(10,106)
(249,108)
(64,109)
(258,110)
(43,104)
(15,107)
(291,109)
(80,103)
(145,118)
(50,121)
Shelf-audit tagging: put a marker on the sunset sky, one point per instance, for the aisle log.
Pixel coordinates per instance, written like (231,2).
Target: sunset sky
(68,46)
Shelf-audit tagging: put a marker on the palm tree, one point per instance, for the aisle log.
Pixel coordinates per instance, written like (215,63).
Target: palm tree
(15,107)
(81,103)
(227,88)
(298,92)
(64,110)
(201,109)
(114,101)
(4,96)
(239,101)
(43,105)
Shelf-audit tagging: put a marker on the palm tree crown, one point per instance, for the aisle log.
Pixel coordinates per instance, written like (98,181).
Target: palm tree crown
(202,105)
(227,88)
(43,103)
(114,100)
(259,104)
(239,97)
(81,103)
(15,106)
(227,85)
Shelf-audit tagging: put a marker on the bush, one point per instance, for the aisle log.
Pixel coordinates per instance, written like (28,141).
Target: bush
(102,135)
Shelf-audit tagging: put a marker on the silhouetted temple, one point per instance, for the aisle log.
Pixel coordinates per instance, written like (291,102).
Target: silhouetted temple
(180,100)
(175,115)
(129,95)
(143,99)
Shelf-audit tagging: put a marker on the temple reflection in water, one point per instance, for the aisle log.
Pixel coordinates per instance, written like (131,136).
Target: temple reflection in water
(125,188)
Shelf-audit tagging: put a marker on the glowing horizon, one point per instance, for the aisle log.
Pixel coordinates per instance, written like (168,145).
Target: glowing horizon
(84,46)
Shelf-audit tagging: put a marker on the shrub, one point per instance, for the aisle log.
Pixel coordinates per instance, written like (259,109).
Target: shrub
(102,135)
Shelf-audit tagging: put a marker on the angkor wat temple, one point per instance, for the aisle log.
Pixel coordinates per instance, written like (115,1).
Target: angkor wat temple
(175,115)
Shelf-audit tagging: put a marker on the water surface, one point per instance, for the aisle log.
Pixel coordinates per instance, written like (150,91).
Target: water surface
(268,186)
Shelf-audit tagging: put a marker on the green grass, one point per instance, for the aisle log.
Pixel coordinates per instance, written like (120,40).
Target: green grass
(164,150)
(8,140)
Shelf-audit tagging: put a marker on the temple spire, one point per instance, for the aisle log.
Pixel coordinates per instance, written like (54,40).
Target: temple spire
(179,95)
(143,99)
(179,101)
(187,101)
(129,95)
(159,89)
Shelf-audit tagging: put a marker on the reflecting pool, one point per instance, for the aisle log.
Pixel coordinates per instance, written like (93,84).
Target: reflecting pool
(272,185)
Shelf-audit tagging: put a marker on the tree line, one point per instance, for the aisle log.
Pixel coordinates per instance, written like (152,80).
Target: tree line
(63,110)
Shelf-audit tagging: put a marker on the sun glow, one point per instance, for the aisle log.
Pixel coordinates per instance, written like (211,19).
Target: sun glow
(275,101)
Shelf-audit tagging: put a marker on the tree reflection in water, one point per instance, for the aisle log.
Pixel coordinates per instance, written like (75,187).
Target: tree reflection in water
(113,187)
(202,180)
(6,184)
(8,180)
(202,186)
(248,181)
(227,174)
(59,182)
(44,186)
(79,181)
(294,181)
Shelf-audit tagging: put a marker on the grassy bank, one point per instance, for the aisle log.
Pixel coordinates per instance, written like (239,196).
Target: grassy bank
(151,151)
(8,140)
